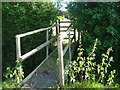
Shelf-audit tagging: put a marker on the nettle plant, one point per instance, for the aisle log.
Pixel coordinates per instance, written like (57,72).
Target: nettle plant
(15,73)
(86,68)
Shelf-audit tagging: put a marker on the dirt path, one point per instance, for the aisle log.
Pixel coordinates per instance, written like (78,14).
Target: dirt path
(46,75)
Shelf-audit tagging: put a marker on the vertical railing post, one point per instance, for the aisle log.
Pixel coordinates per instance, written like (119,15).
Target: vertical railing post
(78,37)
(80,40)
(57,29)
(47,47)
(60,61)
(59,24)
(75,35)
(69,46)
(18,48)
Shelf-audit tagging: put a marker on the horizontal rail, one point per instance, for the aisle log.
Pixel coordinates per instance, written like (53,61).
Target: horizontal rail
(66,47)
(65,50)
(36,31)
(25,56)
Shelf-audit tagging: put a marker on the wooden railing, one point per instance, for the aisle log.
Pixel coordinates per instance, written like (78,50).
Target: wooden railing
(61,52)
(32,52)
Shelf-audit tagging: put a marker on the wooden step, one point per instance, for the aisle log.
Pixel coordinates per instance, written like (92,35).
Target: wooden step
(64,30)
(63,26)
(68,34)
(65,21)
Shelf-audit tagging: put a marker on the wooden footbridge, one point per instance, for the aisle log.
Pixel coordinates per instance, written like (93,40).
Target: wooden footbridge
(50,73)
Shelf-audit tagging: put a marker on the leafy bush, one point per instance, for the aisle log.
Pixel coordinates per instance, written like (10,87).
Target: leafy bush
(86,68)
(16,72)
(21,17)
(13,75)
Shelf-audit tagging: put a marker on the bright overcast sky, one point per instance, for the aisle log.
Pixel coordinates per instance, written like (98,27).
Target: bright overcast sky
(63,6)
(63,3)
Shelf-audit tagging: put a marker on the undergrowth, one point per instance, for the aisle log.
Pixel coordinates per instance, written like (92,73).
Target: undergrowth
(85,68)
(89,84)
(13,76)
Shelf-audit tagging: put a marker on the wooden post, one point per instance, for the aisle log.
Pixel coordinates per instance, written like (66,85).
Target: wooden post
(78,37)
(18,48)
(69,46)
(47,47)
(57,31)
(60,61)
(59,24)
(75,35)
(80,41)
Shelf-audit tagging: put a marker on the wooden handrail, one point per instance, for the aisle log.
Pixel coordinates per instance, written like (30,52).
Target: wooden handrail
(18,47)
(36,31)
(32,52)
(66,47)
(61,52)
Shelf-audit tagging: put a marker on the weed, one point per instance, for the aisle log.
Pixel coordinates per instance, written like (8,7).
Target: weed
(86,68)
(13,75)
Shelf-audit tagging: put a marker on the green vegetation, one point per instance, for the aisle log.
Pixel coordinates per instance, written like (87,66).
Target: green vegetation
(88,84)
(21,17)
(13,76)
(17,18)
(86,69)
(92,68)
(102,21)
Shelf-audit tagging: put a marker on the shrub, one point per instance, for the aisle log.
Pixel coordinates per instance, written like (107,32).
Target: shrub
(86,68)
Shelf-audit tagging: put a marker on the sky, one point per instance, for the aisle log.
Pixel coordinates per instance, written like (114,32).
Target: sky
(63,6)
(63,3)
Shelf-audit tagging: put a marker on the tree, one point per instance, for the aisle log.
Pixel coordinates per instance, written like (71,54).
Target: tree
(98,20)
(21,17)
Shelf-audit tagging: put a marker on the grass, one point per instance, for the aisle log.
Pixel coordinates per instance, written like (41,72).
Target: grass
(9,83)
(89,84)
